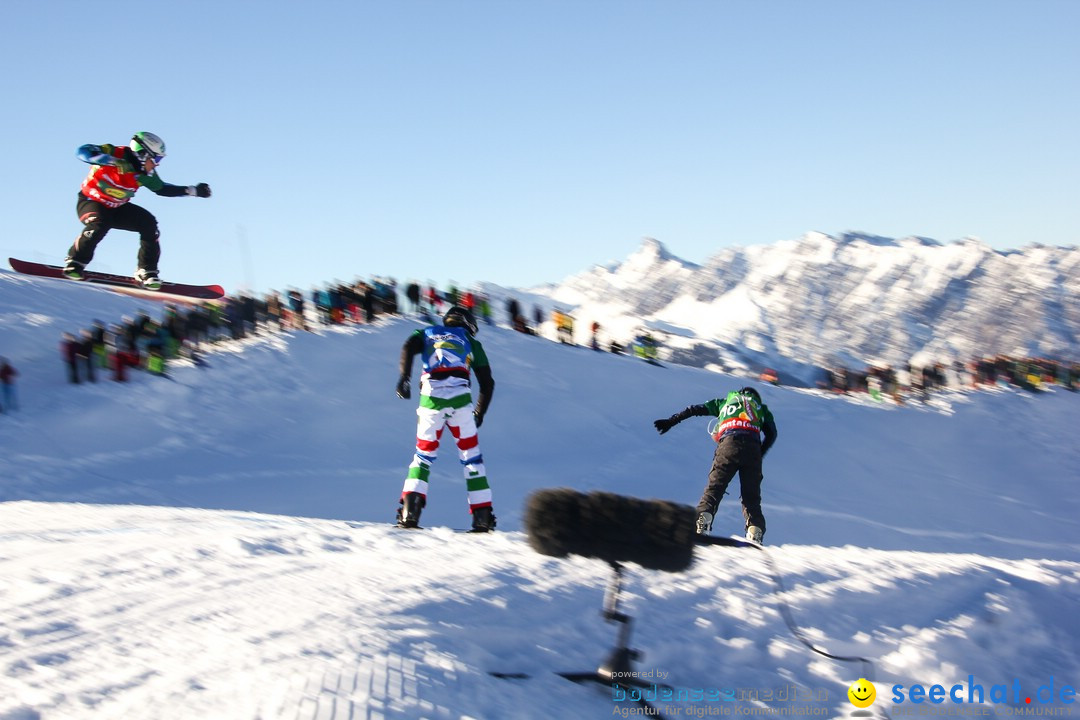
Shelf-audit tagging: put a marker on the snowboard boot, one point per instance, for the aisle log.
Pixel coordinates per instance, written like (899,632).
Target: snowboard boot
(754,534)
(704,523)
(73,270)
(408,515)
(483,520)
(148,279)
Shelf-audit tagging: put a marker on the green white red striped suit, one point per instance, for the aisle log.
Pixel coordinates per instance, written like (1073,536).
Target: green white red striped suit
(449,354)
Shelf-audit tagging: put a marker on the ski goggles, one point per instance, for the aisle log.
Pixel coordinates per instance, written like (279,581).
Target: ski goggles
(145,155)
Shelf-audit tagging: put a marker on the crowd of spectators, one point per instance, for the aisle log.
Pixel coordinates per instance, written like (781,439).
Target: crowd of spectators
(921,381)
(140,342)
(429,302)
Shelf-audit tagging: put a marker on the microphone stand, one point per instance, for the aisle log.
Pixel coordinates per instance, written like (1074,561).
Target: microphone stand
(617,671)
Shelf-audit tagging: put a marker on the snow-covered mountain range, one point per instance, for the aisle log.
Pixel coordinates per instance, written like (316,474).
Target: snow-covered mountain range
(852,300)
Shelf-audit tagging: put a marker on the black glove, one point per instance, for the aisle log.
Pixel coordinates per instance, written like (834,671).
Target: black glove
(129,162)
(403,390)
(665,424)
(202,190)
(478,417)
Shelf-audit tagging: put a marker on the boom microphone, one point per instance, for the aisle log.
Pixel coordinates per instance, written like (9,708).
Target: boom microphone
(655,534)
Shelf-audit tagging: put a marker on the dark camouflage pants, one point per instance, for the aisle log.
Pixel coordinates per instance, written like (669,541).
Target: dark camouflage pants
(97,220)
(736,453)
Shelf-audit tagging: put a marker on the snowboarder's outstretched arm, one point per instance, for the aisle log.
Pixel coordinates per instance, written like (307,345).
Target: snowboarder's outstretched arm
(664,424)
(487,389)
(125,160)
(151,181)
(769,428)
(481,369)
(412,347)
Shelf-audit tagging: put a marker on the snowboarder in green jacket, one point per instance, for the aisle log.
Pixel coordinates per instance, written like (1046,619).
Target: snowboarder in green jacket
(741,418)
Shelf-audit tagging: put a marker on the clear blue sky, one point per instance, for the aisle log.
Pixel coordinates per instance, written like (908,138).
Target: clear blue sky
(524,141)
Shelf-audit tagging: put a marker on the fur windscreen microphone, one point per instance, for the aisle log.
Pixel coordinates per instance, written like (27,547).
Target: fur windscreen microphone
(655,534)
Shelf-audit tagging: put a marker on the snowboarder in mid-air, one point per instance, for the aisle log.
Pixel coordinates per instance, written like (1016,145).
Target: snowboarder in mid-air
(451,354)
(116,174)
(741,419)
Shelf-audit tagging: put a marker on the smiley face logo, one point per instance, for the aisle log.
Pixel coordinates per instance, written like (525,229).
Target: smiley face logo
(862,693)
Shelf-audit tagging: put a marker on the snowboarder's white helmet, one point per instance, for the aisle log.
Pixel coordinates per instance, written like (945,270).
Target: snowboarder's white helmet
(148,146)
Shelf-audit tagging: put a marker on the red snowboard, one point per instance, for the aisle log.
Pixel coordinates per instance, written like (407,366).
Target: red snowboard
(123,283)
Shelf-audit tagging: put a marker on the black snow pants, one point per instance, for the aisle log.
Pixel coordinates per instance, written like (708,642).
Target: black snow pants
(736,453)
(98,219)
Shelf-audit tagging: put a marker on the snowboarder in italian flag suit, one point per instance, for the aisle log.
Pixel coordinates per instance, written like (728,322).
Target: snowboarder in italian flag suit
(740,420)
(451,356)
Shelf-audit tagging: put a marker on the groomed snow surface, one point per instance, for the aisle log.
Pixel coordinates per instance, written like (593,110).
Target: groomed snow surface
(217,544)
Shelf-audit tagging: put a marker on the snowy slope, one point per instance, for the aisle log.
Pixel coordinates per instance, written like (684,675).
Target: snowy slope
(176,548)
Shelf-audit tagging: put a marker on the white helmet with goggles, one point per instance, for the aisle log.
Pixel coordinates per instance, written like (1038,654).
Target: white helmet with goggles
(148,146)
